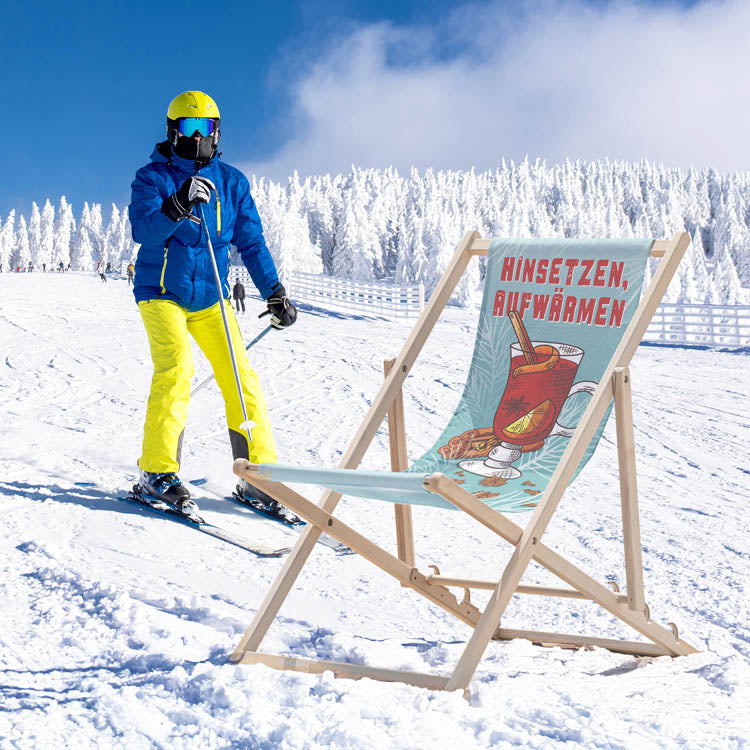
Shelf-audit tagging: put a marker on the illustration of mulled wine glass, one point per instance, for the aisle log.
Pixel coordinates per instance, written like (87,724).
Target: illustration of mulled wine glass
(540,381)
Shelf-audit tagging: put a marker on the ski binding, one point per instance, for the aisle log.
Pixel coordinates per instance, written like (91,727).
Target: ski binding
(187,510)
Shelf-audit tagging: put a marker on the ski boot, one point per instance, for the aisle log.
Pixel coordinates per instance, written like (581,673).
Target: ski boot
(263,503)
(168,488)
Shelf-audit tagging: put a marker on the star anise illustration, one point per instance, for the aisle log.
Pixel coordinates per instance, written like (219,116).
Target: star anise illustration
(516,405)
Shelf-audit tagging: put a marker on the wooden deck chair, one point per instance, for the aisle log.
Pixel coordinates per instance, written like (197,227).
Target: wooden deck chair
(560,322)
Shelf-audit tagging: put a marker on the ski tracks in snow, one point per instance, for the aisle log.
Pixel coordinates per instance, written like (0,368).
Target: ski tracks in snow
(116,627)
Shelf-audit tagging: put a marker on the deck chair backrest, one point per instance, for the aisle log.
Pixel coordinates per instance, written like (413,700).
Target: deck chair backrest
(552,315)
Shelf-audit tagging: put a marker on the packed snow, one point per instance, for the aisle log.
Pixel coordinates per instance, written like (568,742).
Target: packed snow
(116,625)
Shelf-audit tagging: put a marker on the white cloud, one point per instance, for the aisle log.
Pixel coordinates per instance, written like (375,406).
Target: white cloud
(568,79)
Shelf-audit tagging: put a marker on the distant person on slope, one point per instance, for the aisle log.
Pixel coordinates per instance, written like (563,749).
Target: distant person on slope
(131,273)
(176,290)
(238,292)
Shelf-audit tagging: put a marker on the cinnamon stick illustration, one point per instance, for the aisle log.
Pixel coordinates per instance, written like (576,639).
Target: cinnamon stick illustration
(523,337)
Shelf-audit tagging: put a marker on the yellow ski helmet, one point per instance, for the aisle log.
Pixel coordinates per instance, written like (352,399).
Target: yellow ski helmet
(188,107)
(193,104)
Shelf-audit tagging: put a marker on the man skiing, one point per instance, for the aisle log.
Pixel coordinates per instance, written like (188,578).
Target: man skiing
(131,273)
(176,291)
(238,293)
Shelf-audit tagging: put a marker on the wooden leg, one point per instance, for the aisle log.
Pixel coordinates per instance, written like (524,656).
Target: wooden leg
(558,565)
(268,610)
(322,520)
(631,527)
(361,441)
(400,462)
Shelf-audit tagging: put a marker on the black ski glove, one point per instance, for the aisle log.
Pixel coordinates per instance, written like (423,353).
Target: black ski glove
(283,313)
(194,190)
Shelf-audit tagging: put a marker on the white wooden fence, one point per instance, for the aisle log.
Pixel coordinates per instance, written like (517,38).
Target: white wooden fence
(381,298)
(707,325)
(701,325)
(374,297)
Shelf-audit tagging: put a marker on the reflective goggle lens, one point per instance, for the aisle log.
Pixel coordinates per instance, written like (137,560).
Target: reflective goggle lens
(204,125)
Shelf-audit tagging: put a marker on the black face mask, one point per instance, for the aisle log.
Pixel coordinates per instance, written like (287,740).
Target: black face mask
(188,148)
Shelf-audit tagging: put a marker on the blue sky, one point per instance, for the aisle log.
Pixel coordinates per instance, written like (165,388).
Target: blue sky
(318,86)
(90,82)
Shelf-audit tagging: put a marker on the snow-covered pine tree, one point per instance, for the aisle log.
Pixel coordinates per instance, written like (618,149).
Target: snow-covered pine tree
(347,240)
(65,228)
(725,287)
(35,234)
(82,251)
(128,250)
(692,273)
(7,242)
(297,252)
(22,253)
(46,238)
(96,233)
(318,207)
(111,249)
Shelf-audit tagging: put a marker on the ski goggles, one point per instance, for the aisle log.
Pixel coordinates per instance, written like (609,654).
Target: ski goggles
(204,125)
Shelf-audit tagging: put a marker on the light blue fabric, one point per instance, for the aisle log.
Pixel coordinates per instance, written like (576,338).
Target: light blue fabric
(517,412)
(379,485)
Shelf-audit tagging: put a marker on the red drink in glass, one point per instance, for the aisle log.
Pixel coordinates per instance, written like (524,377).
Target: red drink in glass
(535,393)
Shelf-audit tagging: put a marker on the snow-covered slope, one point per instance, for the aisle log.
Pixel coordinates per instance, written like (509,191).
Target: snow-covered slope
(115,626)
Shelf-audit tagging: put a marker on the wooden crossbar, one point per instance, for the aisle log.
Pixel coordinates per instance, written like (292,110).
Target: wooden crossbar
(342,669)
(658,248)
(474,583)
(630,608)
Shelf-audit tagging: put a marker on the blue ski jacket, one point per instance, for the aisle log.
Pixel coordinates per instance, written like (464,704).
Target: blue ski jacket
(173,260)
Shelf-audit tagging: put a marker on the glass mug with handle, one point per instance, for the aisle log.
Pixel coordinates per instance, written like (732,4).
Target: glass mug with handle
(532,401)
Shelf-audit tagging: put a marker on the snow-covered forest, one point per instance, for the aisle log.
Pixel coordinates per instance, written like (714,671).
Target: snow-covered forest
(376,224)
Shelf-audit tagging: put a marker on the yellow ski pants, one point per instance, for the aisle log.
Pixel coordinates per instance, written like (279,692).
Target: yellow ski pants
(167,326)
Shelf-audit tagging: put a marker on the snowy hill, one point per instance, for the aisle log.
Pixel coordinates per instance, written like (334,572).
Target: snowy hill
(116,626)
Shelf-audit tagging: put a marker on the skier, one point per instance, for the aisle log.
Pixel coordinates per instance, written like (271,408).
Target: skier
(176,291)
(238,292)
(131,273)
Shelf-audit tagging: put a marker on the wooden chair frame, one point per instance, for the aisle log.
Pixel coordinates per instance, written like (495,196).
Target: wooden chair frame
(631,607)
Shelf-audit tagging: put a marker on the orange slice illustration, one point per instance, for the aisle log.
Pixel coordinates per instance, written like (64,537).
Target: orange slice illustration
(553,357)
(536,420)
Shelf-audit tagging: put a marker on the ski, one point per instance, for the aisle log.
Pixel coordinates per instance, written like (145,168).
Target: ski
(165,510)
(160,508)
(280,513)
(324,539)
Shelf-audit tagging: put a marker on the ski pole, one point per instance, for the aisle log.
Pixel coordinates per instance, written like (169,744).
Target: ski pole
(217,278)
(247,348)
